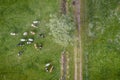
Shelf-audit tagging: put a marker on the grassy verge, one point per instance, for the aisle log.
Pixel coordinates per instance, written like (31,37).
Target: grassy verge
(101,40)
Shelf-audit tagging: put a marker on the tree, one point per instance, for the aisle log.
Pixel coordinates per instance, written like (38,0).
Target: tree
(61,29)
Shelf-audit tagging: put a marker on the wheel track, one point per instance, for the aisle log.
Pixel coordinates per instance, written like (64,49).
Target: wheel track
(78,14)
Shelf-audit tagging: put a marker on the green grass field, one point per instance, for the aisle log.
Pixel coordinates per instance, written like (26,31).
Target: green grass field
(17,16)
(101,40)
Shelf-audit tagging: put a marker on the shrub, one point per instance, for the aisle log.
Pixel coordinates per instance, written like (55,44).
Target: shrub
(61,29)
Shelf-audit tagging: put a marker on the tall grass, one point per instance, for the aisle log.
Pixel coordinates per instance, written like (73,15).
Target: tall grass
(101,43)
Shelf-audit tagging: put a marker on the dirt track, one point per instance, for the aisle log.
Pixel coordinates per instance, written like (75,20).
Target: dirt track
(78,13)
(77,10)
(64,66)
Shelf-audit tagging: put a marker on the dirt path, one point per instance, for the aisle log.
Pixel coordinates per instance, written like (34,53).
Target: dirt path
(64,66)
(77,10)
(78,48)
(78,62)
(75,62)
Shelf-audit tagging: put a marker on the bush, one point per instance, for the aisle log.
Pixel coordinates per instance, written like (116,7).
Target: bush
(61,29)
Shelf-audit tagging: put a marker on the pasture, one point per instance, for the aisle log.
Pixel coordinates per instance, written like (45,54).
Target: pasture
(16,16)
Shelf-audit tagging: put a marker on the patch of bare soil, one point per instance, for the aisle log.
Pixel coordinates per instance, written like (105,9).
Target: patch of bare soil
(64,66)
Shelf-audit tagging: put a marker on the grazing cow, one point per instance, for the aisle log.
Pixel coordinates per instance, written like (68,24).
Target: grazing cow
(22,40)
(33,33)
(35,24)
(49,67)
(20,53)
(41,35)
(28,42)
(25,33)
(31,39)
(13,34)
(38,46)
(21,44)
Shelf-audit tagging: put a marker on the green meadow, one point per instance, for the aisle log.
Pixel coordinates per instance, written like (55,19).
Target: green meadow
(17,16)
(101,40)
